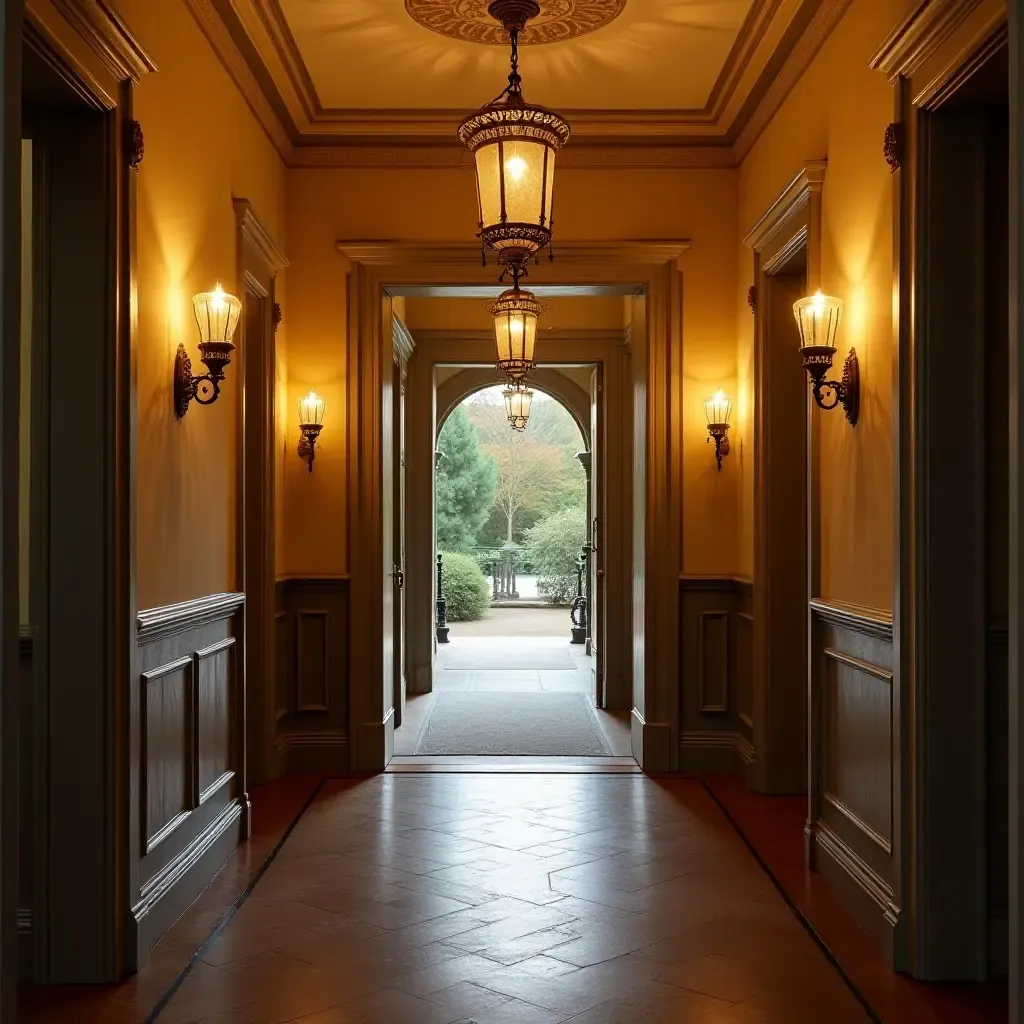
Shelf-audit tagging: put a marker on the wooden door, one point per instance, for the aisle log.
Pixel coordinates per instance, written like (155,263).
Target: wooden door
(595,584)
(398,385)
(389,563)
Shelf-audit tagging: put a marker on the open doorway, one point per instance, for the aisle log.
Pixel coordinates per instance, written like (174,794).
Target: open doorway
(515,608)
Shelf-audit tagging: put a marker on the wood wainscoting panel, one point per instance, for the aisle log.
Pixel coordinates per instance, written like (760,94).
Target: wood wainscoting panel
(313,659)
(168,756)
(716,665)
(854,790)
(216,684)
(191,808)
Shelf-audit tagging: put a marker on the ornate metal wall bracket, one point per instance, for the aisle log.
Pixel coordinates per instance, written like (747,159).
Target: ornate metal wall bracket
(134,144)
(276,316)
(752,298)
(893,146)
(719,433)
(830,393)
(307,442)
(205,389)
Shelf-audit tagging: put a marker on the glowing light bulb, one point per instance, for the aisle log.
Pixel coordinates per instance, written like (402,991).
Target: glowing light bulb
(818,304)
(217,302)
(515,326)
(718,397)
(516,167)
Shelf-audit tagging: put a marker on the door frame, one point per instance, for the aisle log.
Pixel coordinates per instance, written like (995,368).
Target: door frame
(601,349)
(376,265)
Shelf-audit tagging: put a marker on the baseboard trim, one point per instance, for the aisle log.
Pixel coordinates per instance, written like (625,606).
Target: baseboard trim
(165,896)
(860,889)
(651,743)
(322,752)
(715,751)
(376,744)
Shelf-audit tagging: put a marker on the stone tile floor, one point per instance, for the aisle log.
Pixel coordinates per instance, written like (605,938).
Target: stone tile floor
(513,899)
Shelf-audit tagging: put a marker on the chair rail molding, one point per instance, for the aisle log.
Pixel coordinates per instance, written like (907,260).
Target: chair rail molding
(159,623)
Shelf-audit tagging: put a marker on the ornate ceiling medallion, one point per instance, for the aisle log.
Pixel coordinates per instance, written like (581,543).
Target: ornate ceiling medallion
(558,20)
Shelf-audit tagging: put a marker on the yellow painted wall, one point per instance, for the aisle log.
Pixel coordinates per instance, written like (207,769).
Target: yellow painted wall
(838,110)
(203,147)
(325,205)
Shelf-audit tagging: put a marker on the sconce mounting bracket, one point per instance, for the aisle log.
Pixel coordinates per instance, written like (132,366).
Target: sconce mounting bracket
(182,381)
(845,392)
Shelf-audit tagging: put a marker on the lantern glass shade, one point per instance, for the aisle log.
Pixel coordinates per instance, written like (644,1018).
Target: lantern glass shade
(311,409)
(514,145)
(518,400)
(217,315)
(515,316)
(718,409)
(817,318)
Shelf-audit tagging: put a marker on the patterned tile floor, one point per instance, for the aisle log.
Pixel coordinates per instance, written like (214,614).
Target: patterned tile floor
(513,899)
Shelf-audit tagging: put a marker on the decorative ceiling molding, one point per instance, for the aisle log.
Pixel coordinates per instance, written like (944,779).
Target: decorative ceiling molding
(455,158)
(811,178)
(965,63)
(384,252)
(919,35)
(272,77)
(800,58)
(469,21)
(109,37)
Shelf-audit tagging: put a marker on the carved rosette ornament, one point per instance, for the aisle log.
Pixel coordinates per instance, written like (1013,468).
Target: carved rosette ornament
(276,316)
(135,144)
(892,148)
(557,21)
(752,298)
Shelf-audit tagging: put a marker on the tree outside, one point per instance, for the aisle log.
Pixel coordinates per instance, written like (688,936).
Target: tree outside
(496,485)
(466,482)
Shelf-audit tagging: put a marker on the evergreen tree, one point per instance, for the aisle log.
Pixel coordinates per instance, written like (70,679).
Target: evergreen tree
(466,481)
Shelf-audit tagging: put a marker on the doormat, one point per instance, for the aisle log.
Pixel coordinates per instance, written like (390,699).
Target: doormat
(550,724)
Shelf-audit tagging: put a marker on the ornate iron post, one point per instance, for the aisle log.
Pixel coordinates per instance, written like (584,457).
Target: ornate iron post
(578,614)
(493,566)
(441,626)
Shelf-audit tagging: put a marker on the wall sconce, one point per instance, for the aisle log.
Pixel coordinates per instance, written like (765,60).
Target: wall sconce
(718,410)
(817,318)
(217,316)
(311,422)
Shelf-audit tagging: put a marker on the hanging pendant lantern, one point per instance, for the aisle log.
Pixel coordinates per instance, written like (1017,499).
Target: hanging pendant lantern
(515,314)
(514,144)
(518,400)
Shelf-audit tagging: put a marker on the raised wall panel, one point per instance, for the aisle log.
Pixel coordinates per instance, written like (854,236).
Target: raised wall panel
(714,662)
(215,715)
(281,658)
(312,631)
(858,744)
(168,761)
(745,668)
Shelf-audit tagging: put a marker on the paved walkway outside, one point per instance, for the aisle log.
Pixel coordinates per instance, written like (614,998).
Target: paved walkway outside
(513,899)
(515,622)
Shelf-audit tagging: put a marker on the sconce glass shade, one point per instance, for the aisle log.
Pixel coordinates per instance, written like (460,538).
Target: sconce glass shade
(817,319)
(514,145)
(217,315)
(518,400)
(718,409)
(311,410)
(515,330)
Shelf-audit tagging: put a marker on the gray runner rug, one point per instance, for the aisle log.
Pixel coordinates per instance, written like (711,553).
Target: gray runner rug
(513,723)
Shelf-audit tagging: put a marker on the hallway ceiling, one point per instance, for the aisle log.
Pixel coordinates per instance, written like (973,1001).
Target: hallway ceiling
(642,82)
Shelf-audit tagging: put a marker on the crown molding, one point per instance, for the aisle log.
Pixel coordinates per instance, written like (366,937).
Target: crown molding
(453,157)
(109,38)
(271,75)
(809,179)
(919,35)
(385,252)
(807,47)
(591,335)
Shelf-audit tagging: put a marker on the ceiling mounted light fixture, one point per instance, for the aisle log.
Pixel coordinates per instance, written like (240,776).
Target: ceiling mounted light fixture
(515,314)
(514,144)
(518,399)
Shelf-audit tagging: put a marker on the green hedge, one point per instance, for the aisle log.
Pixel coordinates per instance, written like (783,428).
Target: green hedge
(554,545)
(465,587)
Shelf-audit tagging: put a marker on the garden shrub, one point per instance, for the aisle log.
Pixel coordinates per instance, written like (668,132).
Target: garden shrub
(466,589)
(554,545)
